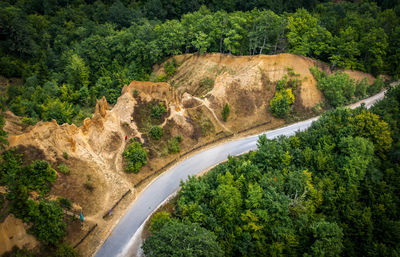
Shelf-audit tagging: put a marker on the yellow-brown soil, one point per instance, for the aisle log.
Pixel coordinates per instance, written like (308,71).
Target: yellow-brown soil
(246,83)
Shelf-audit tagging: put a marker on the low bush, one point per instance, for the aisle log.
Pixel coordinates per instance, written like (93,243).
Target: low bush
(135,156)
(156,132)
(63,168)
(280,104)
(158,110)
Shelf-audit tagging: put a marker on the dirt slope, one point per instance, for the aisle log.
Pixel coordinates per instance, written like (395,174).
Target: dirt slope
(193,106)
(246,83)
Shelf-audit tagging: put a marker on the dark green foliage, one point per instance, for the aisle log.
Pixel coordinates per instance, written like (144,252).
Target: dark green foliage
(170,67)
(47,221)
(328,191)
(65,155)
(16,252)
(338,88)
(2,200)
(38,176)
(173,144)
(64,250)
(135,156)
(377,86)
(64,202)
(3,134)
(158,110)
(71,54)
(225,112)
(46,217)
(361,89)
(156,132)
(181,239)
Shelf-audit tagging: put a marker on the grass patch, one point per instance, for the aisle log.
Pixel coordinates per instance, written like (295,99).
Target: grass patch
(63,168)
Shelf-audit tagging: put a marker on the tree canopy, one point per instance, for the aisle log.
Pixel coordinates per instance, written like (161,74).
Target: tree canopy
(70,54)
(327,191)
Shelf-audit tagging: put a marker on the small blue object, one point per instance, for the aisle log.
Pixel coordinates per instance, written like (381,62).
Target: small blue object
(81,217)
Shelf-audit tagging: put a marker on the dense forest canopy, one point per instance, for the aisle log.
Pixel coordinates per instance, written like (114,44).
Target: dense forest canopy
(332,190)
(71,52)
(329,191)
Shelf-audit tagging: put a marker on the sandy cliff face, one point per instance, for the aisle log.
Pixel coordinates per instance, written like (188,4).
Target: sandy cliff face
(95,149)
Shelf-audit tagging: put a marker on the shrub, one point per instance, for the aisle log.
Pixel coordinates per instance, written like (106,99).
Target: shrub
(173,144)
(63,168)
(158,220)
(170,67)
(88,184)
(29,121)
(156,132)
(2,200)
(338,88)
(281,102)
(225,112)
(38,176)
(136,157)
(361,88)
(48,225)
(376,86)
(157,111)
(207,83)
(65,155)
(64,202)
(162,77)
(64,250)
(182,239)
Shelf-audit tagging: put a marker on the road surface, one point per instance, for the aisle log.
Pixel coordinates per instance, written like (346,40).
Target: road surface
(120,240)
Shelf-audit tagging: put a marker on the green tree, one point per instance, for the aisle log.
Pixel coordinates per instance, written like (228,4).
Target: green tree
(346,50)
(3,134)
(156,132)
(374,45)
(77,72)
(328,239)
(136,157)
(157,111)
(48,225)
(62,112)
(180,239)
(225,112)
(173,144)
(159,220)
(306,36)
(338,88)
(266,32)
(281,102)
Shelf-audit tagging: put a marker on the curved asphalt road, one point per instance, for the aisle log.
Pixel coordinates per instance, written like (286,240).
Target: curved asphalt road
(168,183)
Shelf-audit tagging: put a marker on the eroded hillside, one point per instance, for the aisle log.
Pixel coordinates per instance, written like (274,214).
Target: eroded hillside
(247,83)
(193,98)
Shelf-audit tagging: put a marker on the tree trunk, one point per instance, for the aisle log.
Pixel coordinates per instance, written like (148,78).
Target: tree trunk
(262,46)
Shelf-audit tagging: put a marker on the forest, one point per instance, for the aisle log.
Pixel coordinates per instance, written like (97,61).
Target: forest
(70,53)
(329,191)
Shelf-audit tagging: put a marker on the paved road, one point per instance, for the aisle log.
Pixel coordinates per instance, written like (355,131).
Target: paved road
(118,242)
